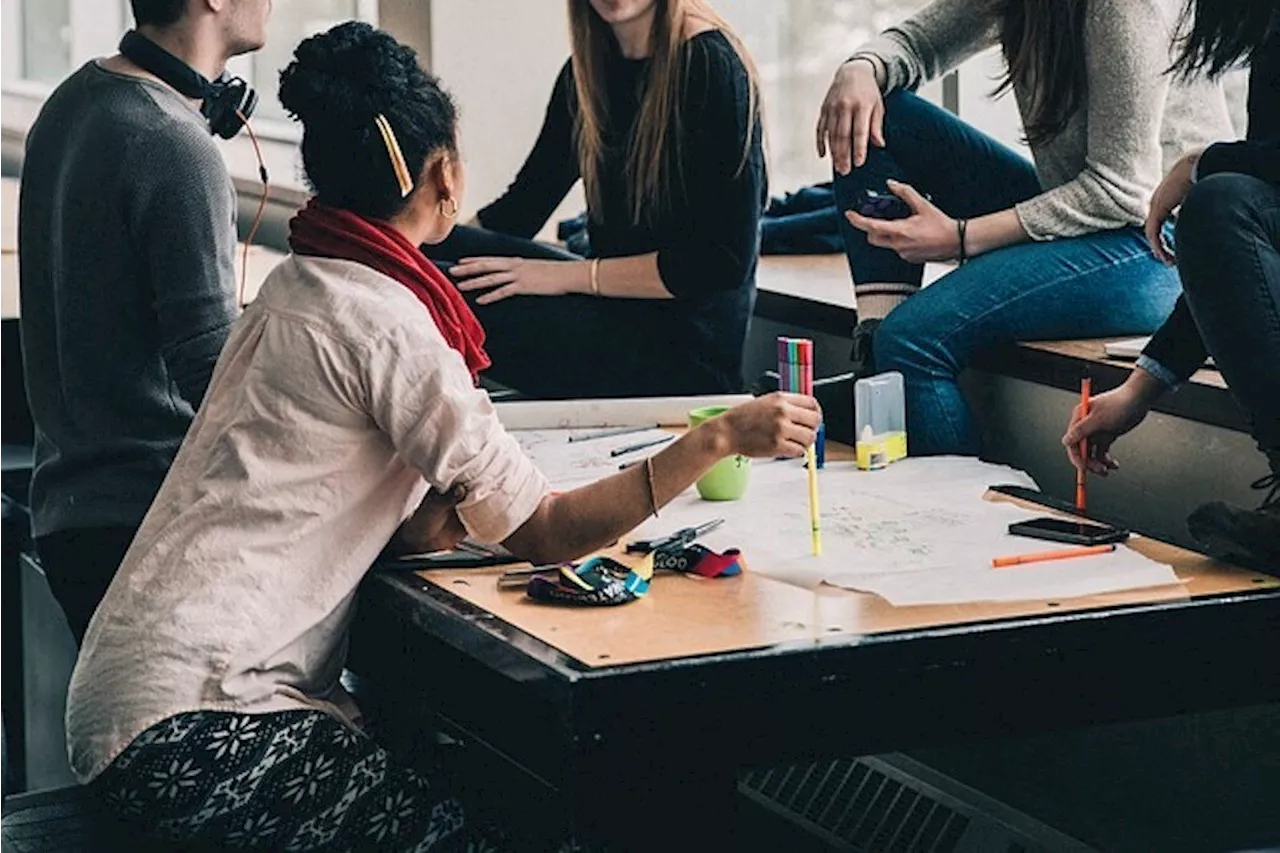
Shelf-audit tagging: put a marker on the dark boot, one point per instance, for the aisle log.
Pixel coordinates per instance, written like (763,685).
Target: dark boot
(1246,537)
(864,353)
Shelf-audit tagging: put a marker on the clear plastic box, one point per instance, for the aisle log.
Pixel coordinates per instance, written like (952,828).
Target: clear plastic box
(880,419)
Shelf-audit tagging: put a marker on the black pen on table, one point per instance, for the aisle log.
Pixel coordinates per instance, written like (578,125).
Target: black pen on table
(612,432)
(644,445)
(680,539)
(520,577)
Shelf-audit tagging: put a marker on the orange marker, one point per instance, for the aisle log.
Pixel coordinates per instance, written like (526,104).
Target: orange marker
(1045,556)
(1086,388)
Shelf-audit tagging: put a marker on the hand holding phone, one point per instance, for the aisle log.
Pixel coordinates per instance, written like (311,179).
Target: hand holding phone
(1070,531)
(878,205)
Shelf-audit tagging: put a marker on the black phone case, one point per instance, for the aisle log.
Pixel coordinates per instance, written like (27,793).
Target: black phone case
(1106,536)
(874,205)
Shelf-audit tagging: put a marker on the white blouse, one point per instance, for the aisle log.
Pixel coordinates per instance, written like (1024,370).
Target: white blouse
(334,407)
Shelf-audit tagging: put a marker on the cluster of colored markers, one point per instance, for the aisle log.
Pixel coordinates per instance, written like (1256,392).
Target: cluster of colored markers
(795,374)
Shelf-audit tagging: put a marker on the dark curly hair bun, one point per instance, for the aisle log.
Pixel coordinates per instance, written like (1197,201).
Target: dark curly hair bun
(336,85)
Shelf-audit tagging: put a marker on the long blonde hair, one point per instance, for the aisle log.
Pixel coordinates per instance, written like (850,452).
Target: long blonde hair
(654,157)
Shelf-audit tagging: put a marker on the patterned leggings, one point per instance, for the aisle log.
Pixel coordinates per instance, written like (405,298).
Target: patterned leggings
(288,781)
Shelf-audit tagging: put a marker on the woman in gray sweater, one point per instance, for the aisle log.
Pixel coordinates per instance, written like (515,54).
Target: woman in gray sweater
(1048,250)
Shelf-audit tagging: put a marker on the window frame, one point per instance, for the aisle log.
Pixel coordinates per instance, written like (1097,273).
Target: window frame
(95,24)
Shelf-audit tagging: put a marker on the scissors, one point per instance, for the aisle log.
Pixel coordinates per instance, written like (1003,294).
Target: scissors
(679,539)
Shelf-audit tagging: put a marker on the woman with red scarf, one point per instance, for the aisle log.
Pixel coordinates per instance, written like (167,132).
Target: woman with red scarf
(342,419)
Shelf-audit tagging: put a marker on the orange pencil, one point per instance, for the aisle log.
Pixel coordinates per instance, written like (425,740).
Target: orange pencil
(1045,556)
(1086,388)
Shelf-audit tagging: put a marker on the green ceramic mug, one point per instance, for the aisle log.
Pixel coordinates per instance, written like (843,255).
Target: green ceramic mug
(727,479)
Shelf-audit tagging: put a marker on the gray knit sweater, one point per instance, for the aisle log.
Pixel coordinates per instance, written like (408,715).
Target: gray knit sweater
(127,233)
(1100,172)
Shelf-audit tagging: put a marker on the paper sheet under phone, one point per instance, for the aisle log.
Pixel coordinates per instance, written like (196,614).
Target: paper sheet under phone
(918,532)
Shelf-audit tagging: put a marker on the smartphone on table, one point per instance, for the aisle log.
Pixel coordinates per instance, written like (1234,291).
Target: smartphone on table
(1071,531)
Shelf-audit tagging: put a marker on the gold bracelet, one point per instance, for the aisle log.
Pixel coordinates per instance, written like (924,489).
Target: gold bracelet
(653,492)
(595,276)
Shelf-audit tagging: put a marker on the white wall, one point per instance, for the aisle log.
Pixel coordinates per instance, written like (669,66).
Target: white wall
(499,58)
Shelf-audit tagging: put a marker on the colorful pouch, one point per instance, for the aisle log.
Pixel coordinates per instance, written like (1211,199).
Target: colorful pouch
(700,560)
(598,582)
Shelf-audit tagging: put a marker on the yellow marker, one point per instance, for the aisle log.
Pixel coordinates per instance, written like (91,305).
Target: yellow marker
(815,525)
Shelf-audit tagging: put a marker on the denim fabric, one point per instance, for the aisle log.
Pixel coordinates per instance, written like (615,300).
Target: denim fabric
(966,172)
(1100,285)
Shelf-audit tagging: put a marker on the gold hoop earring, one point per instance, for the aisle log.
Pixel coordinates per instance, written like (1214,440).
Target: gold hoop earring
(450,212)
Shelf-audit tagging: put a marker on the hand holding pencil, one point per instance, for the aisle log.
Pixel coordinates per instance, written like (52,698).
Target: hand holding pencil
(1092,432)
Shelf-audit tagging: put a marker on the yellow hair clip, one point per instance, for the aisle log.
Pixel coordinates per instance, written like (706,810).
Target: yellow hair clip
(403,175)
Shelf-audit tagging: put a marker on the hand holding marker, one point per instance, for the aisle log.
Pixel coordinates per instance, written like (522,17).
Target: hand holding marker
(795,374)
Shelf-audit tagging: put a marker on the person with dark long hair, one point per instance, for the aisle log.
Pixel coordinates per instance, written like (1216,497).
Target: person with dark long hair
(1048,250)
(657,113)
(342,419)
(1227,251)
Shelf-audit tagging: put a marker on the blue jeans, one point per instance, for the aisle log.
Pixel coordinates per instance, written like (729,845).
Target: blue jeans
(1100,285)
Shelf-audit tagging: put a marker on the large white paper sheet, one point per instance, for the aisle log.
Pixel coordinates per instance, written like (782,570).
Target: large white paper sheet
(569,465)
(917,532)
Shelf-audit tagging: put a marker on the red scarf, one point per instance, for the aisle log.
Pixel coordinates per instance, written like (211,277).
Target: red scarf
(329,232)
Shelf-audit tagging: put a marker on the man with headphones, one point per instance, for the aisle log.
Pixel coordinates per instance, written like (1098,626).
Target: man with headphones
(127,235)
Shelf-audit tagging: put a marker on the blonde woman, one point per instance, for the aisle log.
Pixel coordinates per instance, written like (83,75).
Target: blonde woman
(657,113)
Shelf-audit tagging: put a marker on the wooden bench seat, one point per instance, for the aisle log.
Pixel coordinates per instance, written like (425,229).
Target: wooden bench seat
(1060,364)
(809,291)
(813,293)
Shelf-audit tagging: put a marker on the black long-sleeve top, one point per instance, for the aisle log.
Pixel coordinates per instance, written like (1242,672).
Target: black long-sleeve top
(1177,348)
(708,242)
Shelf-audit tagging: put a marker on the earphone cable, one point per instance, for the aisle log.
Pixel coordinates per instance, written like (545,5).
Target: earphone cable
(262,207)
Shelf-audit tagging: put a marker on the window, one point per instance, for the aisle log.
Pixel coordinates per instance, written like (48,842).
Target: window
(46,41)
(797,46)
(291,22)
(57,36)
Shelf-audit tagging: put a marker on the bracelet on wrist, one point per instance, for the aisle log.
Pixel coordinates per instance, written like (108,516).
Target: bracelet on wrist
(962,227)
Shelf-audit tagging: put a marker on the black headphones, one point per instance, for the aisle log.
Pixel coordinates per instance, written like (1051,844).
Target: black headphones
(220,100)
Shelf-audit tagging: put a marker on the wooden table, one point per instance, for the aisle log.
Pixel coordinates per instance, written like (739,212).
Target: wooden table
(664,701)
